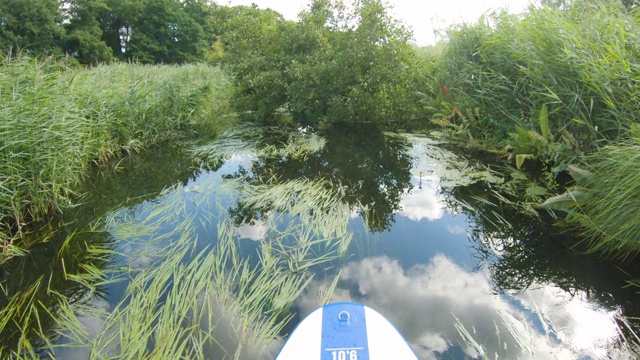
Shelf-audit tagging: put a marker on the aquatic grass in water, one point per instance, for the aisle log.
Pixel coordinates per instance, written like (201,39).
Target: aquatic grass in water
(192,297)
(215,296)
(186,304)
(58,120)
(258,142)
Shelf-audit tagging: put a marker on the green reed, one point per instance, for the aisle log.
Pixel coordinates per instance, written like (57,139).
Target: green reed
(579,61)
(57,120)
(186,296)
(556,86)
(609,214)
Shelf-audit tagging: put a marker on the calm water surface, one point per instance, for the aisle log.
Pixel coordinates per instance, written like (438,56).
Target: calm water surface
(431,246)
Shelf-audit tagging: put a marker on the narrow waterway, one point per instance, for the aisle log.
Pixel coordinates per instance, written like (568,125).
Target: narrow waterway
(397,222)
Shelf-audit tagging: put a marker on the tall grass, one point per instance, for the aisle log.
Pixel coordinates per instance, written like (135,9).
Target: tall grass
(57,120)
(556,85)
(581,62)
(609,214)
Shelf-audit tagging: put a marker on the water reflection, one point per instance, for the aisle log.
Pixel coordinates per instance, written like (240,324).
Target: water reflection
(410,229)
(57,270)
(444,309)
(370,171)
(422,203)
(522,252)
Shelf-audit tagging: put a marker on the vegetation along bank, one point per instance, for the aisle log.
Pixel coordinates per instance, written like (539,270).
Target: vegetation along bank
(58,120)
(554,91)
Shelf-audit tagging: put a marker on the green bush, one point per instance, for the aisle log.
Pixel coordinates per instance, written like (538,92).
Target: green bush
(334,65)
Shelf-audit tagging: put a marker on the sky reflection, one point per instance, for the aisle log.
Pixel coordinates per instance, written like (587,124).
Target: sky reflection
(426,302)
(420,270)
(422,203)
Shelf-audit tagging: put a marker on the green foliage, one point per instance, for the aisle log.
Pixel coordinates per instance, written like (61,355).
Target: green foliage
(164,33)
(570,68)
(116,24)
(609,212)
(552,85)
(333,65)
(31,25)
(58,120)
(84,35)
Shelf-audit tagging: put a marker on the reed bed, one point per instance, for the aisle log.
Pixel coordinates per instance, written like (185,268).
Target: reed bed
(57,120)
(609,215)
(576,65)
(556,86)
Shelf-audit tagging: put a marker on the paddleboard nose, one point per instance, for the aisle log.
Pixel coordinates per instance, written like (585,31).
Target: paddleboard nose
(346,331)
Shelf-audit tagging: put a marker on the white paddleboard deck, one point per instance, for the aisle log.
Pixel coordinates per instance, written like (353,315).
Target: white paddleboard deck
(346,331)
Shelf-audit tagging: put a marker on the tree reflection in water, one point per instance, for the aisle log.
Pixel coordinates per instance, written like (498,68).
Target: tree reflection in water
(524,251)
(368,171)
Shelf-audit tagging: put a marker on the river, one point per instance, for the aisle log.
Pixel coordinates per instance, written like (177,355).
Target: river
(217,249)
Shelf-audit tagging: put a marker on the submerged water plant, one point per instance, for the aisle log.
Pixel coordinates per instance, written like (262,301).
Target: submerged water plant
(186,296)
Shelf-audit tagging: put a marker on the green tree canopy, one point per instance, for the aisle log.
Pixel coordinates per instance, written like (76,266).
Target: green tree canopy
(164,33)
(335,64)
(32,25)
(84,33)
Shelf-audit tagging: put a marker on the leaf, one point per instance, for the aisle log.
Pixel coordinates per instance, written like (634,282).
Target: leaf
(518,175)
(520,158)
(581,122)
(544,122)
(535,190)
(578,173)
(563,201)
(522,132)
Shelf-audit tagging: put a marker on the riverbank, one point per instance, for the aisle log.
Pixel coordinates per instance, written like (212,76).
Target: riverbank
(553,91)
(59,120)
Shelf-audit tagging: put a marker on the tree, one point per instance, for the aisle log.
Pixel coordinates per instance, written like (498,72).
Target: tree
(254,41)
(116,24)
(32,25)
(84,33)
(164,33)
(365,64)
(334,65)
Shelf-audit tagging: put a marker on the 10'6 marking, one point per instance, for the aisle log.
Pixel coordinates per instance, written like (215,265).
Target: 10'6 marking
(343,354)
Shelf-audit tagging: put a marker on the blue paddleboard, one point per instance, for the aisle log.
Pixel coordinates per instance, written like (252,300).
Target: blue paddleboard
(346,331)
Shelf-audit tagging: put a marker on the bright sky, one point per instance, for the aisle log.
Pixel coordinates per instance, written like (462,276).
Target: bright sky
(423,16)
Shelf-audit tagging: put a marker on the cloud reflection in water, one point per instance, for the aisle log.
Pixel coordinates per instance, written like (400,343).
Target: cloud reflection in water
(422,203)
(425,301)
(256,231)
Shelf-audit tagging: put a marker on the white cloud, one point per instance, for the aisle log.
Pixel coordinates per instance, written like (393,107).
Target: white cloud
(422,204)
(425,301)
